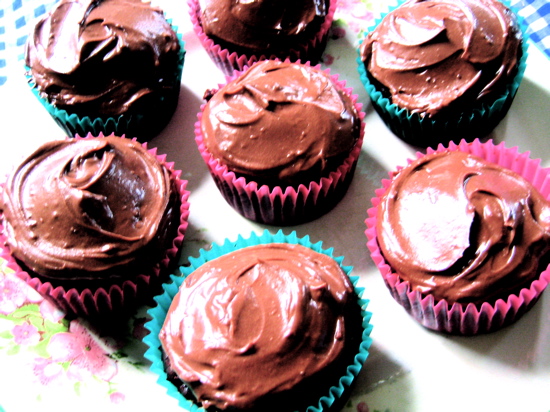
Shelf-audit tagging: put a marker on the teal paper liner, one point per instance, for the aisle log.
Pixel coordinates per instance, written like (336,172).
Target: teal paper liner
(158,314)
(429,132)
(143,126)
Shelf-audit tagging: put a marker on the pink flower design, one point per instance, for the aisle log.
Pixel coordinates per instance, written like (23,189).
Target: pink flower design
(328,59)
(47,371)
(362,407)
(25,334)
(14,293)
(50,311)
(12,296)
(356,13)
(83,352)
(117,397)
(338,33)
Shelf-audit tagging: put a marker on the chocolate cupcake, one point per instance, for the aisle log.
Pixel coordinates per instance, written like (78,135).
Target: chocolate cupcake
(238,34)
(443,70)
(93,222)
(106,67)
(462,236)
(278,307)
(281,141)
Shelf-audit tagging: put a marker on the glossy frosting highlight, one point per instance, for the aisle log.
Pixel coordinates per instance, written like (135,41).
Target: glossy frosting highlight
(277,311)
(462,229)
(89,209)
(431,54)
(103,58)
(261,26)
(280,124)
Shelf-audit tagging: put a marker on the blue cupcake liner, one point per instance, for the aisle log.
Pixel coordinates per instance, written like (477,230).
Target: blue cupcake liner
(158,315)
(426,131)
(143,126)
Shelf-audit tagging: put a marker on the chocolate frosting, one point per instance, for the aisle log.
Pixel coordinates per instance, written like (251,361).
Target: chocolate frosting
(431,53)
(257,322)
(103,57)
(89,208)
(462,229)
(280,124)
(261,26)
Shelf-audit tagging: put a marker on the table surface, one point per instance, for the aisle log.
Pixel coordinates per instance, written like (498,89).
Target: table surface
(50,363)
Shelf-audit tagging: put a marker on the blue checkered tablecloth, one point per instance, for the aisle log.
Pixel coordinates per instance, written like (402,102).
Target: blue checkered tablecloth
(17,17)
(537,16)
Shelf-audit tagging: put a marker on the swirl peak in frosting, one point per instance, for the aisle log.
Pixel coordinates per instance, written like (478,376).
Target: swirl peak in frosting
(463,229)
(431,54)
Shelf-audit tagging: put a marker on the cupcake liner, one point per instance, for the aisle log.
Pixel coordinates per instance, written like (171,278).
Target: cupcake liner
(420,131)
(144,126)
(158,315)
(457,318)
(114,299)
(289,205)
(229,61)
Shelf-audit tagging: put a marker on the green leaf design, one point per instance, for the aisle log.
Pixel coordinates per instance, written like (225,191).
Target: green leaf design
(26,310)
(118,355)
(77,387)
(6,335)
(14,350)
(52,327)
(41,348)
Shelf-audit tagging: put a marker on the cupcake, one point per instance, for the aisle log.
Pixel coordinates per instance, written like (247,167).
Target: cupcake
(281,141)
(93,223)
(443,70)
(269,323)
(238,34)
(461,236)
(106,67)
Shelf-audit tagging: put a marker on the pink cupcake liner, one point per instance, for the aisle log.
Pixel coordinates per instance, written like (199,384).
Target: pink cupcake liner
(228,61)
(116,299)
(457,318)
(278,205)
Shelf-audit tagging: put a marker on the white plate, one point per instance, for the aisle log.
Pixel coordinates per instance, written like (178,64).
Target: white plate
(409,368)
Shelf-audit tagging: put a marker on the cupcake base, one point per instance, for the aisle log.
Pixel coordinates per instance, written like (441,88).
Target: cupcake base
(154,353)
(120,297)
(453,125)
(230,61)
(284,206)
(144,126)
(456,318)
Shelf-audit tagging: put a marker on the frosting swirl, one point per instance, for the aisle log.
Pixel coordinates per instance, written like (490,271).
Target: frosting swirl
(280,312)
(103,57)
(429,54)
(462,229)
(89,209)
(280,124)
(261,25)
